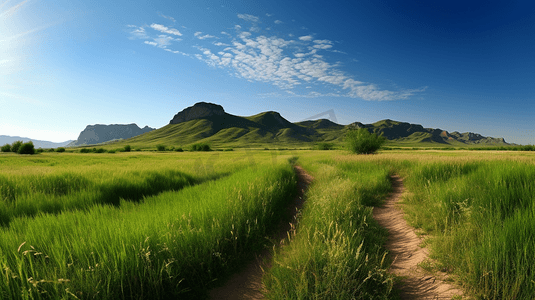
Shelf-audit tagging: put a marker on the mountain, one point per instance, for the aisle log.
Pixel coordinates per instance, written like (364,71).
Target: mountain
(414,133)
(210,123)
(6,139)
(97,134)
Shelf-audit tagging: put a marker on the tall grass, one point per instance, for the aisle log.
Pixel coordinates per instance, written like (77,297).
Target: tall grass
(173,245)
(337,250)
(482,214)
(54,193)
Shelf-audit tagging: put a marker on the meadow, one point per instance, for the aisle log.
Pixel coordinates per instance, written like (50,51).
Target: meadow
(151,225)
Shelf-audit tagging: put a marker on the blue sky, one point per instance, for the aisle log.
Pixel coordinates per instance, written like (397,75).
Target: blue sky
(455,65)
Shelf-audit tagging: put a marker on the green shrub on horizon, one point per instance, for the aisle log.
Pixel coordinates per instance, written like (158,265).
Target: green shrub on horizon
(127,148)
(324,146)
(362,141)
(26,148)
(15,146)
(200,147)
(60,149)
(160,147)
(6,148)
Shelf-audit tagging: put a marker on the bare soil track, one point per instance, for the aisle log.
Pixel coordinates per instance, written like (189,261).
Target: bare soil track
(404,247)
(247,284)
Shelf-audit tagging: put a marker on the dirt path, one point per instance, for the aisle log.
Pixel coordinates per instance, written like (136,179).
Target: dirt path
(403,246)
(247,284)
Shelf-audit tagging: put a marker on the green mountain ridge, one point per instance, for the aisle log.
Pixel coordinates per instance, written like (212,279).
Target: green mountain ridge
(209,123)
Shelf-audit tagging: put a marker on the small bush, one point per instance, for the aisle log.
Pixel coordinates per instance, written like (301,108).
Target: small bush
(50,150)
(160,147)
(361,141)
(86,150)
(127,148)
(6,148)
(112,151)
(15,146)
(99,150)
(26,148)
(179,149)
(200,147)
(60,149)
(40,150)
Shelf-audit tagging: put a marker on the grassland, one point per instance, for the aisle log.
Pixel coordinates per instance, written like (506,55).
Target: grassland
(143,225)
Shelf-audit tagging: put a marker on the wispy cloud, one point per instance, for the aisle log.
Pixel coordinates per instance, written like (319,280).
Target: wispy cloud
(306,38)
(287,63)
(249,18)
(278,22)
(199,35)
(9,12)
(167,17)
(137,32)
(164,29)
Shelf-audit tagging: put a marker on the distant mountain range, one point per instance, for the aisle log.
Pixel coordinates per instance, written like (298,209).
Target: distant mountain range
(98,134)
(6,139)
(208,122)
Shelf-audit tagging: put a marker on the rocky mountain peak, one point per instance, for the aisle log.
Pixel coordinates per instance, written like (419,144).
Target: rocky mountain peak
(198,111)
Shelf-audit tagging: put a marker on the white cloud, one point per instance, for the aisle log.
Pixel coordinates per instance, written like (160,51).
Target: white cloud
(306,38)
(278,22)
(138,32)
(285,63)
(203,37)
(176,52)
(269,15)
(164,29)
(323,46)
(167,17)
(249,18)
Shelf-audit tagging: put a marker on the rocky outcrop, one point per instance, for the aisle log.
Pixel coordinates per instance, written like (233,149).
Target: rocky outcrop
(200,110)
(96,134)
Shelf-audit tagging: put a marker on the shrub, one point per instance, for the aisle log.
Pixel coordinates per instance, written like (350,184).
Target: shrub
(50,150)
(60,149)
(179,149)
(200,147)
(127,148)
(15,146)
(40,150)
(26,148)
(99,150)
(112,151)
(160,147)
(86,150)
(6,148)
(361,141)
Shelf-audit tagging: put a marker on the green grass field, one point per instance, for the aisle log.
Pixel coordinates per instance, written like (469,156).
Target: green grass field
(159,225)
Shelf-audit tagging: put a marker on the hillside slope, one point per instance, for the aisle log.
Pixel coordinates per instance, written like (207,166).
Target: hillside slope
(209,123)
